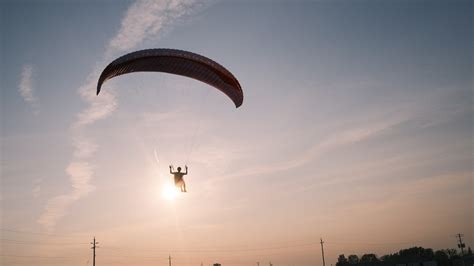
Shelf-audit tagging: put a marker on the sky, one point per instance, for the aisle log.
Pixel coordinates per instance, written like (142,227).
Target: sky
(356,127)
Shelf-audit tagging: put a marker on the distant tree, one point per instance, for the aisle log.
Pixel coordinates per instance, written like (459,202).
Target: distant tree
(386,258)
(341,260)
(369,258)
(441,257)
(428,254)
(353,259)
(452,253)
(416,254)
(393,258)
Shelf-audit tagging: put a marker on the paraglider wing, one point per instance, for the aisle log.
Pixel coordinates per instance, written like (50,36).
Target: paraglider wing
(176,62)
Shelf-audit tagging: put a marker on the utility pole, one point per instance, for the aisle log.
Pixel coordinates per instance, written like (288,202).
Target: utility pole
(270,263)
(461,245)
(169,259)
(258,263)
(93,251)
(322,251)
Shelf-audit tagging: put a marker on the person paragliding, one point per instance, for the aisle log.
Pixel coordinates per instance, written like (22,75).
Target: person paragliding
(178,177)
(178,62)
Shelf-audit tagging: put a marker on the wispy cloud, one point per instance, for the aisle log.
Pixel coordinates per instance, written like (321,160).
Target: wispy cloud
(145,19)
(80,173)
(424,110)
(26,88)
(403,194)
(98,107)
(37,187)
(339,139)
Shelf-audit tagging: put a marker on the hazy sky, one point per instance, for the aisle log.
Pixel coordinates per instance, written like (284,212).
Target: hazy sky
(356,127)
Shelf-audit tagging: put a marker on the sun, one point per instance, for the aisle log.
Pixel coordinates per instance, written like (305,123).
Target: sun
(169,192)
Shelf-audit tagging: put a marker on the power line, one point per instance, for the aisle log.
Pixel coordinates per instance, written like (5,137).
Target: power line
(22,232)
(283,246)
(36,233)
(233,250)
(330,242)
(371,243)
(224,250)
(36,257)
(137,256)
(22,242)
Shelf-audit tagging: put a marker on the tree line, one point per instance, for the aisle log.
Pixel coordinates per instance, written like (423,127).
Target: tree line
(443,257)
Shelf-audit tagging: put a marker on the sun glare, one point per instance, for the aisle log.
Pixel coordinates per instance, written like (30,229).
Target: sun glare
(169,192)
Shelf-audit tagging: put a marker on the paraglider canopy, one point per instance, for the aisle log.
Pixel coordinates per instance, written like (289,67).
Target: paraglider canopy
(176,62)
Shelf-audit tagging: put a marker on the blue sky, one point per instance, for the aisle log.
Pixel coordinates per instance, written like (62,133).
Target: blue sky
(356,126)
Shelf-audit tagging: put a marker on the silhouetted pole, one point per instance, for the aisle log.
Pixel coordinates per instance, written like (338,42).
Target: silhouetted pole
(461,245)
(322,251)
(258,263)
(169,260)
(93,251)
